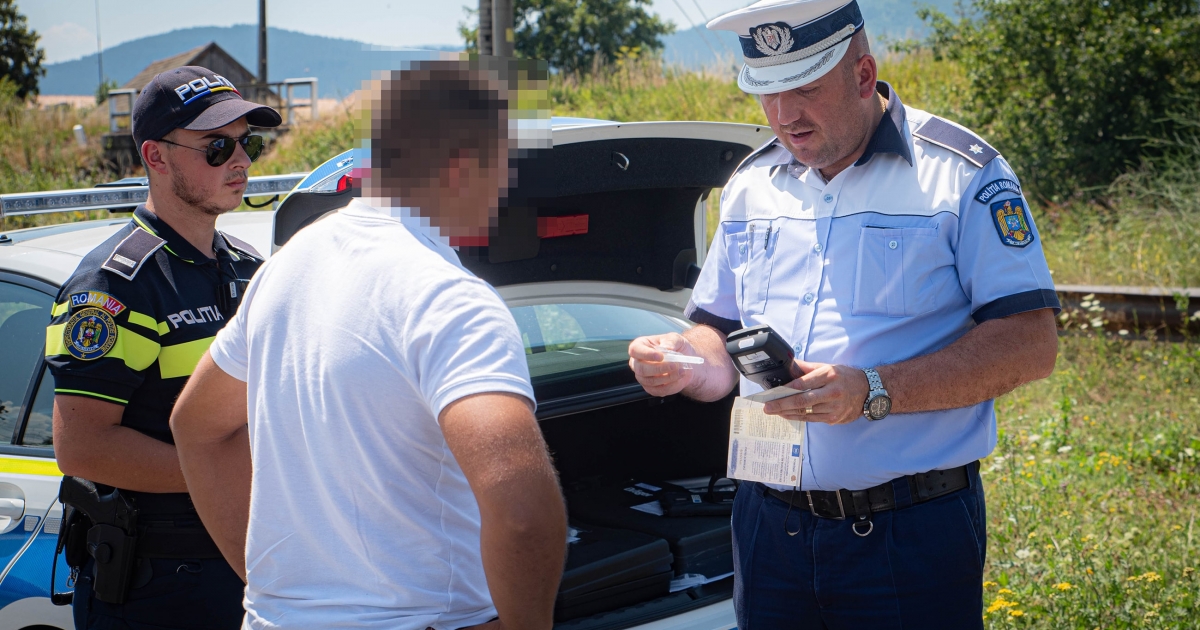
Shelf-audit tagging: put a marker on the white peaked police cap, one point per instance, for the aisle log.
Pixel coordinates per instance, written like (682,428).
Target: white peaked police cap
(790,43)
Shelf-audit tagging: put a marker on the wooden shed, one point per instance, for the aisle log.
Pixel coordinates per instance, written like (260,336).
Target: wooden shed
(214,58)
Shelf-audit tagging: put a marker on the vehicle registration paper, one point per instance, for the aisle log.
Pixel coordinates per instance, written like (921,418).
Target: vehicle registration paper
(763,448)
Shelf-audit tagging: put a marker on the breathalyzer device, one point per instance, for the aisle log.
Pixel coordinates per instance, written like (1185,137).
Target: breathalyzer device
(761,355)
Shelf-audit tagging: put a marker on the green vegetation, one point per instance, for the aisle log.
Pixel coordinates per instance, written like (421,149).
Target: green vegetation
(20,57)
(1092,491)
(1073,87)
(579,36)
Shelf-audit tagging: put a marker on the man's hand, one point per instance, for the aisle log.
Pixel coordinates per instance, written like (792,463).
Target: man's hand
(836,394)
(656,376)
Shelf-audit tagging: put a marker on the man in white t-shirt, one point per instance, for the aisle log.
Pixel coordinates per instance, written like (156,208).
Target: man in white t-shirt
(389,471)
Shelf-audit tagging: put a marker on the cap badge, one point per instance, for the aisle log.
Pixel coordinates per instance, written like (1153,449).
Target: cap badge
(773,39)
(203,87)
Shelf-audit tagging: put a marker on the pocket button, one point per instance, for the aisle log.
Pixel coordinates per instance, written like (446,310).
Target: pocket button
(893,244)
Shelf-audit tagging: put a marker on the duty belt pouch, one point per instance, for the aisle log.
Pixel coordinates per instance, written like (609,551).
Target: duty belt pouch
(114,553)
(72,537)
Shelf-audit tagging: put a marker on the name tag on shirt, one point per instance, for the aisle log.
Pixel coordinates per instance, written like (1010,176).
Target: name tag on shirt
(763,448)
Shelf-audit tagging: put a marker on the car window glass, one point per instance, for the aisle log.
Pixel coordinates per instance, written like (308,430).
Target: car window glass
(24,314)
(575,339)
(38,428)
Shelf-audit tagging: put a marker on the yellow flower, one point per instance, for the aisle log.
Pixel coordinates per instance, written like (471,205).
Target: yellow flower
(990,583)
(1188,571)
(1049,546)
(1015,613)
(1089,571)
(1000,603)
(1177,527)
(1063,586)
(1005,591)
(1032,535)
(1151,576)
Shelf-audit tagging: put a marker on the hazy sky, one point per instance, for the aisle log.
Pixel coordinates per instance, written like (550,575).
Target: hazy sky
(68,27)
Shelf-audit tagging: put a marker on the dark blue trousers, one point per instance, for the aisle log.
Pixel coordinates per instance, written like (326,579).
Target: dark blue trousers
(186,594)
(921,566)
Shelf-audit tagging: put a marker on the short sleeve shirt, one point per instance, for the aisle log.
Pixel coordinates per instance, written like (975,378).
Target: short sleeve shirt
(925,237)
(352,341)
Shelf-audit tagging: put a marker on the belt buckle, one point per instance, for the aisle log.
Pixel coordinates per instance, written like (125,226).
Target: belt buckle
(841,508)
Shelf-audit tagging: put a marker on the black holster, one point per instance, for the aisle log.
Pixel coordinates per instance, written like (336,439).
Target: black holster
(107,523)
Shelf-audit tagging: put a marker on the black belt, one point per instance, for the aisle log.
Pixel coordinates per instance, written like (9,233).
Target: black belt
(176,542)
(860,504)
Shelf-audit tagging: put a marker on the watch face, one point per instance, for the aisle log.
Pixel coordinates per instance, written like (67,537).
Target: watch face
(879,407)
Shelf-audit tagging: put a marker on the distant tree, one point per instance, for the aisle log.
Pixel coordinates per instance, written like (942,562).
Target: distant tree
(103,89)
(1070,90)
(572,35)
(20,57)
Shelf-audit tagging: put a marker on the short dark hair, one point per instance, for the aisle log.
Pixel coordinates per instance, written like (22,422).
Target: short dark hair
(431,112)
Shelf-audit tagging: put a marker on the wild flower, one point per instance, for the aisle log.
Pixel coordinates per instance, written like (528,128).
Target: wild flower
(1063,586)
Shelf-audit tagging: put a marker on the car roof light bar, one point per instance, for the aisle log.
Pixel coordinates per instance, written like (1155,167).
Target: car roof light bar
(80,199)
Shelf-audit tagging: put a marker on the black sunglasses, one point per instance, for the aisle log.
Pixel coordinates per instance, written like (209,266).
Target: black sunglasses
(220,150)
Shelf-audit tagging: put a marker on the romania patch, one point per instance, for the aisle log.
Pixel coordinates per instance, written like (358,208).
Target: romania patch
(1012,222)
(90,334)
(995,188)
(97,299)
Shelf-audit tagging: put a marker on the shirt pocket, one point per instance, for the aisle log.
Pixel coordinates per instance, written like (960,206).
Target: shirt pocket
(750,253)
(897,270)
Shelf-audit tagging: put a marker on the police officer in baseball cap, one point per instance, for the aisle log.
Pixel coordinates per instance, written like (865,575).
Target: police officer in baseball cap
(128,329)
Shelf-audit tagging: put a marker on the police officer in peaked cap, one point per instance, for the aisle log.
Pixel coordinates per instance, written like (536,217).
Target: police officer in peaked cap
(895,253)
(128,328)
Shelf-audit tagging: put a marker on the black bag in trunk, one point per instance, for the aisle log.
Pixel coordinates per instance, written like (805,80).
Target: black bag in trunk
(609,569)
(700,544)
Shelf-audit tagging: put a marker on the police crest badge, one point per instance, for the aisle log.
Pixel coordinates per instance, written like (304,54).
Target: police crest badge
(1012,222)
(90,334)
(773,39)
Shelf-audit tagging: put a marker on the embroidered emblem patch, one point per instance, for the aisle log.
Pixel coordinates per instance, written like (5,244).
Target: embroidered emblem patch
(1012,222)
(773,39)
(995,188)
(90,334)
(97,299)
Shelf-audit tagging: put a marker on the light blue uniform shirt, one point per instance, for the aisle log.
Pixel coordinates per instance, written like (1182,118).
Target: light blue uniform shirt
(897,256)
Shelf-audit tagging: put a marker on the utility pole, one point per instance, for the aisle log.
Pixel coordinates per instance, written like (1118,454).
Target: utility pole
(502,28)
(262,43)
(99,49)
(484,35)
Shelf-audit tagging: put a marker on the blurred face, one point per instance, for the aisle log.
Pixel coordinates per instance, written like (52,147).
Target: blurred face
(213,190)
(823,123)
(464,199)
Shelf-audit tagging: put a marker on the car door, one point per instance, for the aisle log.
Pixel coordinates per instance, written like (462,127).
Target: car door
(29,477)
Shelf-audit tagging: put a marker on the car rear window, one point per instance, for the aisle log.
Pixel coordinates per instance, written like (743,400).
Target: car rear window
(570,341)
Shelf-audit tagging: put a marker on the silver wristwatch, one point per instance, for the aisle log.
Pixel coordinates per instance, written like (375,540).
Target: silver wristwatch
(878,404)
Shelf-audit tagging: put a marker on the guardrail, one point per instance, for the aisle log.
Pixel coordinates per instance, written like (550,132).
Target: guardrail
(21,204)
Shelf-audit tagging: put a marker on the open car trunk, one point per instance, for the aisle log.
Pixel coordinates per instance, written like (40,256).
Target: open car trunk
(611,217)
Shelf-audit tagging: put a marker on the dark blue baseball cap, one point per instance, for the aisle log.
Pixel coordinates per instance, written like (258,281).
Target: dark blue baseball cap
(191,97)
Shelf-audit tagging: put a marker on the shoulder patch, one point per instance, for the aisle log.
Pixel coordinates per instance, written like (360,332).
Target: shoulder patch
(242,246)
(1012,222)
(127,259)
(90,334)
(957,139)
(754,155)
(97,299)
(994,188)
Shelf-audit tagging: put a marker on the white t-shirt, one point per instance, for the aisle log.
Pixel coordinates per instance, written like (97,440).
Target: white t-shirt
(352,340)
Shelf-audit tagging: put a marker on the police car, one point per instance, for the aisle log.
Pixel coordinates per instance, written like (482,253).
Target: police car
(598,243)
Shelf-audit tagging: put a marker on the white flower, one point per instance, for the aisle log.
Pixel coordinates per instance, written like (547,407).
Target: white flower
(1024,553)
(1064,449)
(1122,332)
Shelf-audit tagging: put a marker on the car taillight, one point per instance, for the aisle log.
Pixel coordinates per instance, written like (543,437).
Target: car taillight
(553,227)
(345,183)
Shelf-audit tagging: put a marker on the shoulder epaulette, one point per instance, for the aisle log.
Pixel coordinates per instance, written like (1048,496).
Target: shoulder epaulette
(958,140)
(242,246)
(132,252)
(754,154)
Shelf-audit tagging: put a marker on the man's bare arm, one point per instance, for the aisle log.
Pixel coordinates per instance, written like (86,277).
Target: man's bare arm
(979,366)
(89,442)
(209,425)
(496,440)
(706,383)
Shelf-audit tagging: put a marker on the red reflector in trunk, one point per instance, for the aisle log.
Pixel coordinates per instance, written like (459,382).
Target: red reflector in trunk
(553,227)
